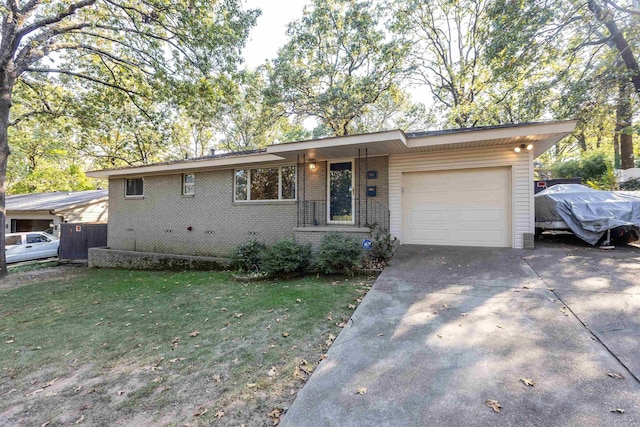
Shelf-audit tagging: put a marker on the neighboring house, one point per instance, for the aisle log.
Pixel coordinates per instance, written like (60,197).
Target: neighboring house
(466,187)
(46,211)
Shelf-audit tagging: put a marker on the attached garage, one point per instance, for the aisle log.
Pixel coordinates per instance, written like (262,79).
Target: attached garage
(465,207)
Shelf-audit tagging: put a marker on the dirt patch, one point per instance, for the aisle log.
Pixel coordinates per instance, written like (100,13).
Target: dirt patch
(61,272)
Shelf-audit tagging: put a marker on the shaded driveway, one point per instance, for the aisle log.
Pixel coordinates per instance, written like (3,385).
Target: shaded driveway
(445,329)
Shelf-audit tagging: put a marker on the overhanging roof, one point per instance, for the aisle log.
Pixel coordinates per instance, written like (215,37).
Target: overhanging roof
(59,200)
(541,135)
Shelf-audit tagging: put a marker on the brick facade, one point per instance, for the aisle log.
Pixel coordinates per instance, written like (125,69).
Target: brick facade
(159,221)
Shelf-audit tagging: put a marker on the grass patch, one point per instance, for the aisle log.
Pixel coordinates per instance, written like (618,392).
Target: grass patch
(135,347)
(31,266)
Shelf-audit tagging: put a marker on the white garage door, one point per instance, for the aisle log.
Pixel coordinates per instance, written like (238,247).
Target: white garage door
(470,207)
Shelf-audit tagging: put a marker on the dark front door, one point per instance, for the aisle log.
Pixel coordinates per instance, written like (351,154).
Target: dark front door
(340,188)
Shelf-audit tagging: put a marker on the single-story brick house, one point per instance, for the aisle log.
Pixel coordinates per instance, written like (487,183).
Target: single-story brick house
(467,187)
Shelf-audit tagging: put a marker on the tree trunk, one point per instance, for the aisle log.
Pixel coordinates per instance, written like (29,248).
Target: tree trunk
(624,121)
(5,108)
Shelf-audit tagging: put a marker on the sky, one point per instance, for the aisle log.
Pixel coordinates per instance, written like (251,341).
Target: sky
(269,33)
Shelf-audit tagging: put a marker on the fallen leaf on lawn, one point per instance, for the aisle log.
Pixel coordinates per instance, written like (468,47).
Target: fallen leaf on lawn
(439,335)
(9,341)
(499,326)
(175,340)
(330,317)
(616,375)
(464,314)
(50,394)
(120,393)
(272,372)
(493,404)
(298,300)
(286,334)
(45,424)
(275,415)
(200,411)
(77,389)
(618,410)
(252,385)
(330,339)
(81,419)
(341,325)
(194,333)
(445,306)
(528,381)
(324,356)
(223,309)
(381,334)
(219,414)
(157,380)
(361,390)
(525,287)
(13,390)
(435,312)
(351,306)
(237,315)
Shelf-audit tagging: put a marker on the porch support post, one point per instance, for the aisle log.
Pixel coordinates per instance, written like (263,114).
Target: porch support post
(359,189)
(366,182)
(304,190)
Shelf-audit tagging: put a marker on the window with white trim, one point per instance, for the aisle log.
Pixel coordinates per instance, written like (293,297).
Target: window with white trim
(274,183)
(134,187)
(188,184)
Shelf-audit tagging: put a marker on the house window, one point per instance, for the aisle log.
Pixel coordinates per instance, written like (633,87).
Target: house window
(134,187)
(277,183)
(188,184)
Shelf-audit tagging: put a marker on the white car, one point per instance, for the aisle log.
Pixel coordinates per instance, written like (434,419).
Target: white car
(30,245)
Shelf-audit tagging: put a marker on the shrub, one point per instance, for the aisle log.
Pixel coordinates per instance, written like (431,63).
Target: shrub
(630,185)
(246,257)
(338,253)
(383,247)
(286,257)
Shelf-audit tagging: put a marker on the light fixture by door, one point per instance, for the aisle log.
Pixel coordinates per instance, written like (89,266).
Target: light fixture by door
(522,147)
(312,166)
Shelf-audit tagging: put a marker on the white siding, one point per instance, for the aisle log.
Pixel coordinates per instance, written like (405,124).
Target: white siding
(522,181)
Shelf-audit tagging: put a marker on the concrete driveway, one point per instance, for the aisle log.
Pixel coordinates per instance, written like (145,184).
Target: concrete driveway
(443,330)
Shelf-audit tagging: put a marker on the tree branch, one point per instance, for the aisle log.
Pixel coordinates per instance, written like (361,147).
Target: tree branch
(82,76)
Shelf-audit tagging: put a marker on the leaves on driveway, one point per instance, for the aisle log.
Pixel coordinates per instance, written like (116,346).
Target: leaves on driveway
(616,375)
(618,411)
(493,404)
(528,381)
(361,390)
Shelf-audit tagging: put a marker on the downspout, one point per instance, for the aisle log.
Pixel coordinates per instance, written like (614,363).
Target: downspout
(54,213)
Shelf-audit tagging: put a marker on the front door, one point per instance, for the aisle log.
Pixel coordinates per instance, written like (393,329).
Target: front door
(340,188)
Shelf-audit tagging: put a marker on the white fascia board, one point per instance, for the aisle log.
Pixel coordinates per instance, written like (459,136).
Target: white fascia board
(338,141)
(564,127)
(185,166)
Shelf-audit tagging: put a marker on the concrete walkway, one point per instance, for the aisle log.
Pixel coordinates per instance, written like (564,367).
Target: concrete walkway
(443,330)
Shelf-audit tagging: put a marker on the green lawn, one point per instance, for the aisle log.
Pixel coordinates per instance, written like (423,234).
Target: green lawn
(115,347)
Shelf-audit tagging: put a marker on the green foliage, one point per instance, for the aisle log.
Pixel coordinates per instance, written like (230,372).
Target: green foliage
(592,166)
(246,257)
(338,253)
(286,257)
(630,185)
(336,63)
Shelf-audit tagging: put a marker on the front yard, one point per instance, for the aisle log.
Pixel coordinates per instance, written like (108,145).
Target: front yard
(115,347)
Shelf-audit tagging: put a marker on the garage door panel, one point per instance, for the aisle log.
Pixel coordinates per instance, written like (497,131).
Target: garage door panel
(462,207)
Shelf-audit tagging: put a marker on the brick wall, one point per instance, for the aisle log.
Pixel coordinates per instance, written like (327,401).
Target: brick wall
(159,221)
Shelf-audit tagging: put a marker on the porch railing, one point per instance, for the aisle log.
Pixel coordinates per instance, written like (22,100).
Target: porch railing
(366,212)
